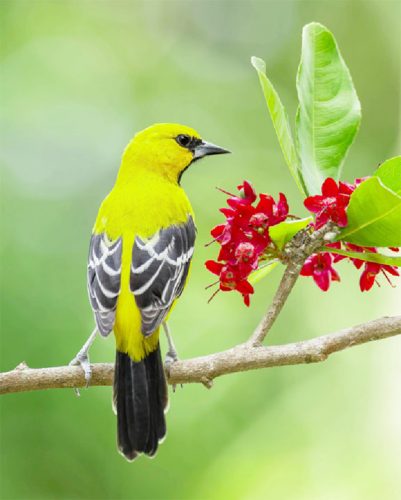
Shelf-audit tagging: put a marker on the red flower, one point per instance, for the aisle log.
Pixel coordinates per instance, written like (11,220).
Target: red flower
(244,237)
(368,276)
(371,270)
(319,266)
(331,204)
(231,278)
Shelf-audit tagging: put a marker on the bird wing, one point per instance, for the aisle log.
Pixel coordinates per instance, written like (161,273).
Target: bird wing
(159,270)
(104,279)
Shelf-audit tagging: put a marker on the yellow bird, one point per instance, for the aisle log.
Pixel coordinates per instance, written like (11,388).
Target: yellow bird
(139,258)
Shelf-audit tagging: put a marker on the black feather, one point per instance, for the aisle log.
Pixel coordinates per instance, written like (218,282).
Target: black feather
(157,285)
(158,399)
(104,279)
(140,405)
(123,438)
(140,396)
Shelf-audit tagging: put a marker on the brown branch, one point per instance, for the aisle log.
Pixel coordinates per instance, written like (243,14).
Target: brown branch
(206,368)
(23,378)
(244,357)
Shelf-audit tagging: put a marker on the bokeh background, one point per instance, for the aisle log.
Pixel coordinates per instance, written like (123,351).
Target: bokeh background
(79,78)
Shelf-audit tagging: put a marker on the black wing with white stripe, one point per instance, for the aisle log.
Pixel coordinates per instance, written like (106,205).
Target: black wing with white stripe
(159,269)
(104,279)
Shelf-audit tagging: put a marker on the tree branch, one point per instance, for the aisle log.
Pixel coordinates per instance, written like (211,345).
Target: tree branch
(206,368)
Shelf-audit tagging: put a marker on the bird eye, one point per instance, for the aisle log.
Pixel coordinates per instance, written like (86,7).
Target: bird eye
(183,140)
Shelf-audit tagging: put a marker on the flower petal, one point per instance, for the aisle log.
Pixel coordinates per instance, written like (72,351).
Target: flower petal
(248,191)
(322,279)
(214,267)
(329,187)
(217,230)
(244,287)
(314,203)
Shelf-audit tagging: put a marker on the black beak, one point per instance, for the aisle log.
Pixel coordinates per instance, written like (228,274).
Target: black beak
(207,148)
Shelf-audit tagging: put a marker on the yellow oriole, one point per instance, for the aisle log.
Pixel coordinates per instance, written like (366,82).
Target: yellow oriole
(139,257)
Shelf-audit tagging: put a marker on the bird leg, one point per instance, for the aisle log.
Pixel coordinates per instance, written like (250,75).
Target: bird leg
(82,358)
(171,355)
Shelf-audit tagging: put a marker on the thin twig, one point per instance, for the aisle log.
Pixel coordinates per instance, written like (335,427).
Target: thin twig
(287,283)
(295,253)
(206,368)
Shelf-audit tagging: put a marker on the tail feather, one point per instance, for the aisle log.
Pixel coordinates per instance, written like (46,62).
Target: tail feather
(140,404)
(123,437)
(140,398)
(158,400)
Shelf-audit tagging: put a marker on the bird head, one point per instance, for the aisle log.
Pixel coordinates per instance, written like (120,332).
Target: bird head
(168,149)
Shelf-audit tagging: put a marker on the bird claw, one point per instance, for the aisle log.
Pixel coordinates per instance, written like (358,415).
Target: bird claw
(171,358)
(82,360)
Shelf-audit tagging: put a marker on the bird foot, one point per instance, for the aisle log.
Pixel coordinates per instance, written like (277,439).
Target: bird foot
(171,358)
(82,360)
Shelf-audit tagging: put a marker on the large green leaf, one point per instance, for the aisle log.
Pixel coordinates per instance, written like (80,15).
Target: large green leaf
(368,256)
(374,216)
(280,121)
(389,173)
(329,111)
(282,233)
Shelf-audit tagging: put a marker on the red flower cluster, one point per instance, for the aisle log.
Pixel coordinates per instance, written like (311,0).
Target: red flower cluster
(244,237)
(331,206)
(245,240)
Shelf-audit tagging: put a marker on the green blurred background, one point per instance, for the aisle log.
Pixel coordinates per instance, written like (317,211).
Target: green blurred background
(79,78)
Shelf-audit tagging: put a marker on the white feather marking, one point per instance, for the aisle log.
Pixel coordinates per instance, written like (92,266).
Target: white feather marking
(154,255)
(143,288)
(106,293)
(108,270)
(106,252)
(99,304)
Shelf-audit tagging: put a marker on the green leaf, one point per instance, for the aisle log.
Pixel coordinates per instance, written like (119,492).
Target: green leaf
(389,173)
(368,256)
(280,121)
(282,233)
(329,111)
(374,216)
(262,272)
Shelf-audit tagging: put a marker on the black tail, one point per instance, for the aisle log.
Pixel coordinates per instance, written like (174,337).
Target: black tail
(140,398)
